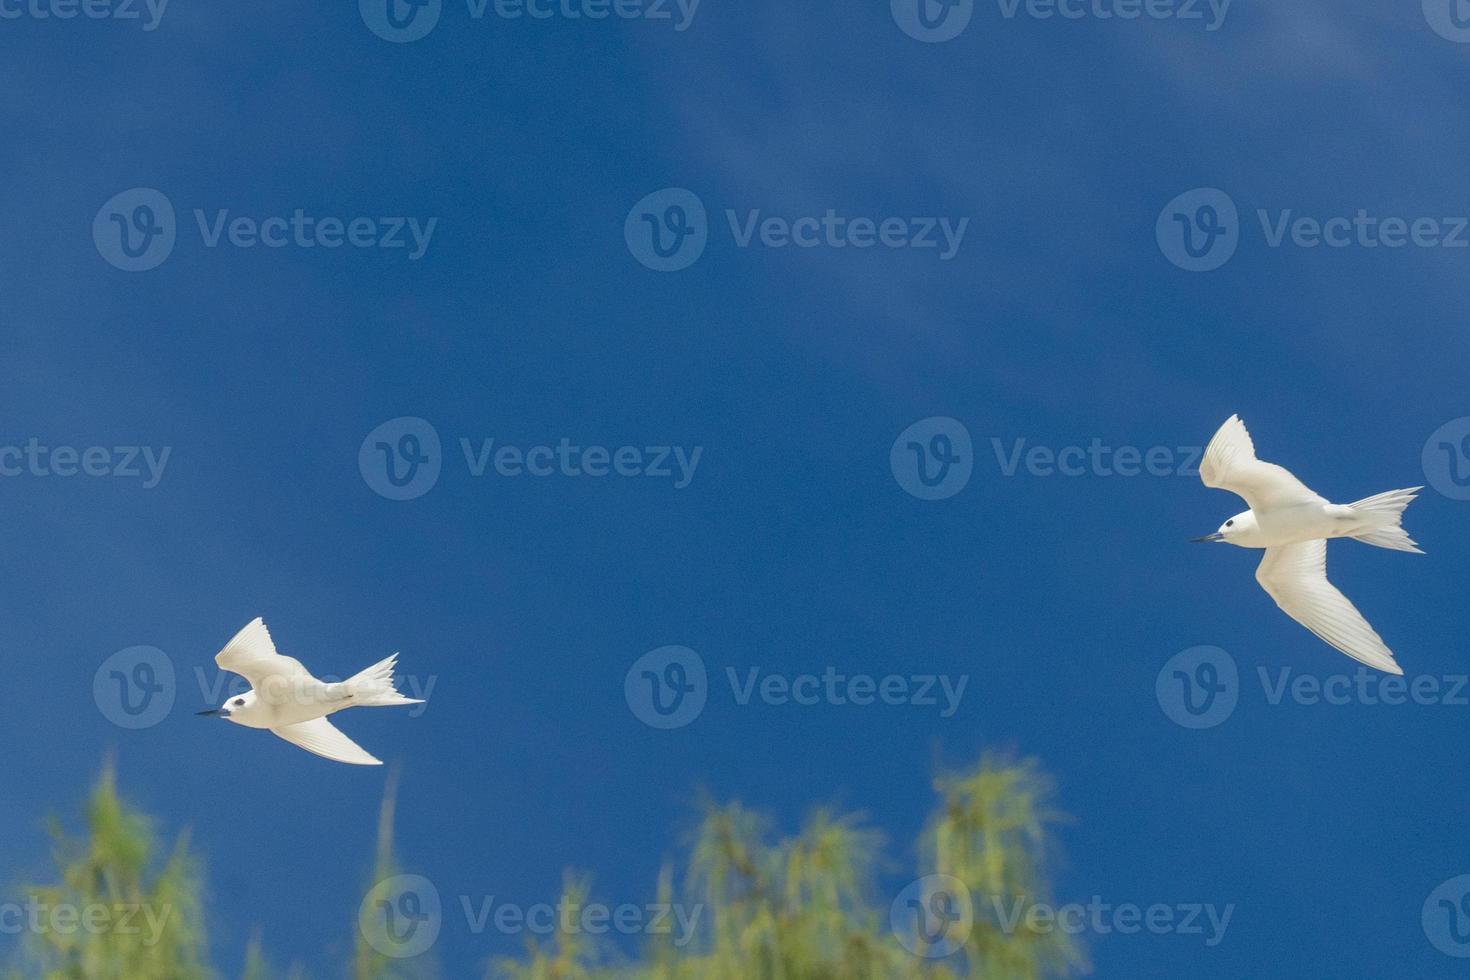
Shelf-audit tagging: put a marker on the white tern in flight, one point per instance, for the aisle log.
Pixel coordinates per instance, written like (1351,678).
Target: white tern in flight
(287,700)
(1293,524)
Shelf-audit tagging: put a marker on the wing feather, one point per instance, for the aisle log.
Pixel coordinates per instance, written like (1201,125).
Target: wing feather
(321,737)
(1230,463)
(252,654)
(1295,575)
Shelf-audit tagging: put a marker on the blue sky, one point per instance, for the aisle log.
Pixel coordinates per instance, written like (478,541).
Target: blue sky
(793,548)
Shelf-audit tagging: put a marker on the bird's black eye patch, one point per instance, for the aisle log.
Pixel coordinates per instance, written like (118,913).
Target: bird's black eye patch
(239,702)
(1230,523)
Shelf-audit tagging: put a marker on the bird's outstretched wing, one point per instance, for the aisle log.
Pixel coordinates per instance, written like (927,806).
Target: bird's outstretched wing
(1295,575)
(321,737)
(1230,463)
(253,656)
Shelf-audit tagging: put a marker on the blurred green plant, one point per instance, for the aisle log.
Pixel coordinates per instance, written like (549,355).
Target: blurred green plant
(114,914)
(807,907)
(757,906)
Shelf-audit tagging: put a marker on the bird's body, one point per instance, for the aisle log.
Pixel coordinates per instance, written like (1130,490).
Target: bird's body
(287,700)
(1298,523)
(1293,524)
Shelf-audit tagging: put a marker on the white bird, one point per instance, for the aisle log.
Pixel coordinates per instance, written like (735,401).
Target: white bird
(1293,524)
(287,700)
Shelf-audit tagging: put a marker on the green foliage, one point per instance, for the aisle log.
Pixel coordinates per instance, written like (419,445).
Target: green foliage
(114,914)
(754,905)
(807,907)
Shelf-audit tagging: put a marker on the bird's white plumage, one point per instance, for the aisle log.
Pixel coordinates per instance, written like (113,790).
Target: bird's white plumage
(1295,575)
(321,737)
(1230,463)
(288,701)
(252,654)
(1292,523)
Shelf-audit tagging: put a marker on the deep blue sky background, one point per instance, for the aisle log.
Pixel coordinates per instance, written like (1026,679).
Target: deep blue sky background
(794,548)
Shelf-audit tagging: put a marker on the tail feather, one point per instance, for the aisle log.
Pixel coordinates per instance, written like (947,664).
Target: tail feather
(1381,514)
(374,688)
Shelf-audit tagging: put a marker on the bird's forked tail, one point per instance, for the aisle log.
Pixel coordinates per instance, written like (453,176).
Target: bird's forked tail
(1380,515)
(373,688)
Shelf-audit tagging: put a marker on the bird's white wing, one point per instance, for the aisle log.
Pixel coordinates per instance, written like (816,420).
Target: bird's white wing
(1230,463)
(321,737)
(1295,575)
(253,656)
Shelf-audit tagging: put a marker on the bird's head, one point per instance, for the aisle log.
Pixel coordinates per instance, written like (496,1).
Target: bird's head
(233,707)
(1237,531)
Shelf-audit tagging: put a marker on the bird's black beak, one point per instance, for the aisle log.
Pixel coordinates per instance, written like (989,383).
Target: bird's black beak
(211,711)
(1217,536)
